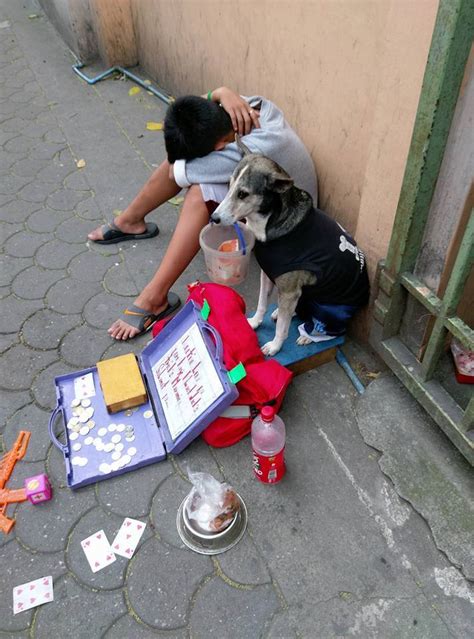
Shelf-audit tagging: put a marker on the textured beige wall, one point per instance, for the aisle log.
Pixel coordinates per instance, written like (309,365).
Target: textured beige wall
(346,73)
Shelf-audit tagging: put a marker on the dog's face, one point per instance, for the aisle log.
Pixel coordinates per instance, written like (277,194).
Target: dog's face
(254,193)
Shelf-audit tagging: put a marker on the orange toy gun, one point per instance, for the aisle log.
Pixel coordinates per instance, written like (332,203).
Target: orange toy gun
(7,464)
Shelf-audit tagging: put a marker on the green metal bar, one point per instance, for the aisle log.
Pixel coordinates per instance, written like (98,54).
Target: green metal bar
(421,292)
(450,46)
(467,422)
(435,399)
(461,331)
(457,280)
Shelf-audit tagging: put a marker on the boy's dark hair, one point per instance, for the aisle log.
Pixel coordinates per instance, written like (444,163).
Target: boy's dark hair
(193,125)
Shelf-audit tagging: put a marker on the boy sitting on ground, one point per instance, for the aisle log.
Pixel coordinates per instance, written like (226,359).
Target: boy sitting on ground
(202,155)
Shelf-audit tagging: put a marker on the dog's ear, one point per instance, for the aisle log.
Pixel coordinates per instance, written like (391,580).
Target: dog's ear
(279,181)
(243,149)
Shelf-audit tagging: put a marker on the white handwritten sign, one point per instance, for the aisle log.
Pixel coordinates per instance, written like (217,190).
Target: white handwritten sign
(187,381)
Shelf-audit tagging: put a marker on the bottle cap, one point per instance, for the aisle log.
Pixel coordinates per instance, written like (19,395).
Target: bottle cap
(268,413)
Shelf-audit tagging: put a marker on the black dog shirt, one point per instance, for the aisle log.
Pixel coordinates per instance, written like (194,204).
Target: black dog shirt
(320,245)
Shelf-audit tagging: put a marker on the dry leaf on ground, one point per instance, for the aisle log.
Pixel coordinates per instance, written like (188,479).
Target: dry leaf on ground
(154,126)
(176,200)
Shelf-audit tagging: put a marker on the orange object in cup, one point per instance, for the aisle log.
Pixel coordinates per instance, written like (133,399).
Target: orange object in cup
(229,246)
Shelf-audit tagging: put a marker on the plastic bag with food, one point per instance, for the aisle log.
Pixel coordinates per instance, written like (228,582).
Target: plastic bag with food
(211,504)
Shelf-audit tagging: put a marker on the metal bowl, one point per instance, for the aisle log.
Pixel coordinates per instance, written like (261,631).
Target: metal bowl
(207,543)
(195,529)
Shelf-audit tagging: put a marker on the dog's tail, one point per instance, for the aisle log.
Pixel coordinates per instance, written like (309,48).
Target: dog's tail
(243,149)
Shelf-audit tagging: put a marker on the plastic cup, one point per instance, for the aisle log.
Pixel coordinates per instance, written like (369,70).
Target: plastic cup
(223,266)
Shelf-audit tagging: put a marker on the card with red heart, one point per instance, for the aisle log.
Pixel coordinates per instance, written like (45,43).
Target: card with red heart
(97,550)
(32,594)
(127,538)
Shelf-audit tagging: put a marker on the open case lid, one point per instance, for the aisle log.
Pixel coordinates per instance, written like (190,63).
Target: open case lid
(186,379)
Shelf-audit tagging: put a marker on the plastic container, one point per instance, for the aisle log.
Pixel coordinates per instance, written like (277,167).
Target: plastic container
(463,361)
(268,444)
(224,266)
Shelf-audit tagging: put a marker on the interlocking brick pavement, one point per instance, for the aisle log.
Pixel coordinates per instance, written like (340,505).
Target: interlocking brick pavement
(322,556)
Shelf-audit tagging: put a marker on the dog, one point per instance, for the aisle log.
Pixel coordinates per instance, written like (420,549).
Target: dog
(277,212)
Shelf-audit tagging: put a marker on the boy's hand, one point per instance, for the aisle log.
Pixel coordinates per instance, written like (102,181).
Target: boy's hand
(243,117)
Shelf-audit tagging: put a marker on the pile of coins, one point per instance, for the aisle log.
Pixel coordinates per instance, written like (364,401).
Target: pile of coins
(107,439)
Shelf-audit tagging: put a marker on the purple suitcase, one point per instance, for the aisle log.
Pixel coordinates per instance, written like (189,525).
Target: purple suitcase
(188,387)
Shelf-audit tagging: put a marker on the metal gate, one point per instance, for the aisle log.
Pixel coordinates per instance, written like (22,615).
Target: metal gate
(422,287)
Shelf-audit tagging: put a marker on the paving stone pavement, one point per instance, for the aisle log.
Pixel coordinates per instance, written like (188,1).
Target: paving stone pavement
(331,551)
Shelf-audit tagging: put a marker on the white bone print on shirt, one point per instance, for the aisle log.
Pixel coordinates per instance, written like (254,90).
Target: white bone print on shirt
(345,245)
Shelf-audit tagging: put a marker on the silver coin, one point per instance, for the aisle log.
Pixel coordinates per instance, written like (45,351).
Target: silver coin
(130,438)
(90,424)
(109,447)
(84,418)
(85,403)
(115,465)
(112,427)
(116,455)
(116,439)
(120,428)
(131,451)
(101,432)
(84,430)
(89,412)
(76,446)
(73,420)
(83,461)
(147,414)
(73,436)
(105,468)
(119,447)
(125,459)
(75,402)
(100,446)
(76,460)
(79,410)
(88,440)
(97,440)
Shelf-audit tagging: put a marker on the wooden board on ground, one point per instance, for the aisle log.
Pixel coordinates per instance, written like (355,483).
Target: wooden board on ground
(299,359)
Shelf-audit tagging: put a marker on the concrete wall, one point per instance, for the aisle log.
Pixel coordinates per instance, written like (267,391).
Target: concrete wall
(74,21)
(347,74)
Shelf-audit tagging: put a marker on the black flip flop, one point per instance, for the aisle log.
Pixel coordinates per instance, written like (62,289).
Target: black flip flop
(144,320)
(112,234)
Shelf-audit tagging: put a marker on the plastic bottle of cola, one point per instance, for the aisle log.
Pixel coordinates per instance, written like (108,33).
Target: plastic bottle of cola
(268,444)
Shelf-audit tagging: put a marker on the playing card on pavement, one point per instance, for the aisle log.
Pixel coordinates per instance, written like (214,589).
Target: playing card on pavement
(128,537)
(32,594)
(97,550)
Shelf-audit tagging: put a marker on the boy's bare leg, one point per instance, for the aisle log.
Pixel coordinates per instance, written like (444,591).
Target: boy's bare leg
(157,190)
(182,248)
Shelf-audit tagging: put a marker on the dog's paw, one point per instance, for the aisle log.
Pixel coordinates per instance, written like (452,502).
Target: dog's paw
(274,315)
(254,323)
(303,340)
(271,348)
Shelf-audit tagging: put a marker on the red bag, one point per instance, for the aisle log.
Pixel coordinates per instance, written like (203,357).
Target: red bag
(266,380)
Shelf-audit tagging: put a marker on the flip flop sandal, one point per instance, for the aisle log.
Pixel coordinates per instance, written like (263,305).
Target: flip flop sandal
(144,320)
(112,234)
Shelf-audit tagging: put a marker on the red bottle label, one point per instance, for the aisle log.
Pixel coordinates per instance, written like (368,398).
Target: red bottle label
(269,470)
